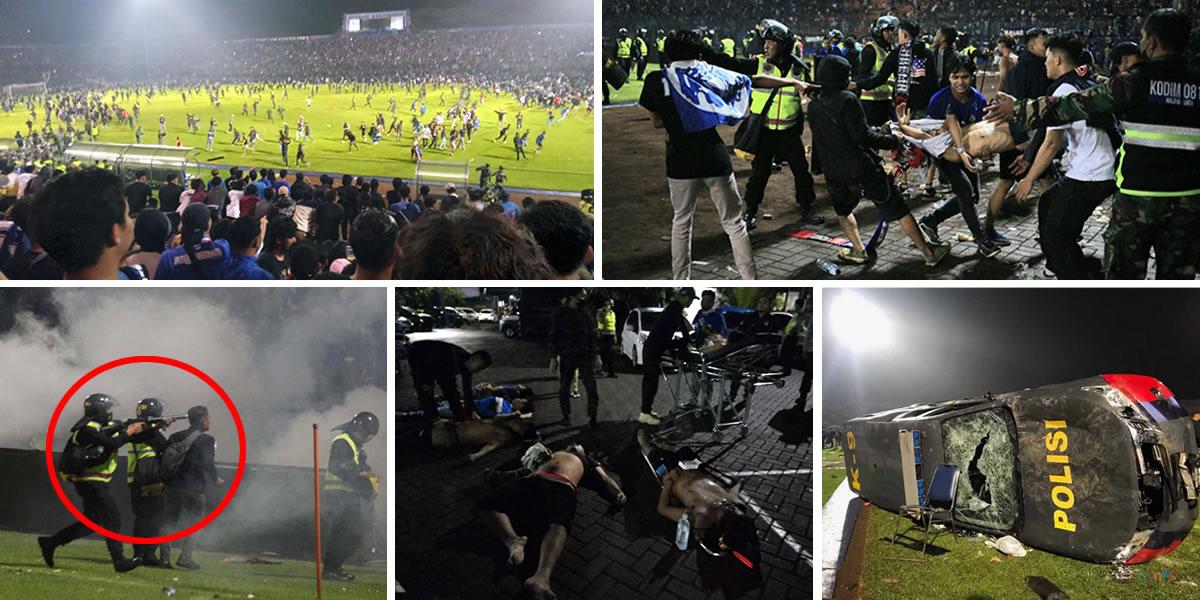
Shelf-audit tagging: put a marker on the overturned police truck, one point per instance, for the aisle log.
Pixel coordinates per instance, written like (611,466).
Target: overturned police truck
(1103,469)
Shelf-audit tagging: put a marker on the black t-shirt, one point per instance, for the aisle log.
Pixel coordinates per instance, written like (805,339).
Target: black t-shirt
(273,265)
(689,155)
(349,199)
(198,465)
(329,220)
(33,266)
(137,193)
(168,197)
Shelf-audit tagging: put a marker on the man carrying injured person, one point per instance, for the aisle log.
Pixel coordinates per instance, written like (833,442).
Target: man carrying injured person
(543,504)
(852,170)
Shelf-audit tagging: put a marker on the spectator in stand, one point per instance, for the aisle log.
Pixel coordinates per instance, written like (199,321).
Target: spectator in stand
(328,217)
(137,193)
(373,239)
(82,221)
(467,244)
(281,235)
(198,255)
(245,237)
(565,235)
(151,232)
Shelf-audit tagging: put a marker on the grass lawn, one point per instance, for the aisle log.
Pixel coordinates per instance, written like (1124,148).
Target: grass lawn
(630,92)
(565,163)
(831,476)
(82,570)
(969,569)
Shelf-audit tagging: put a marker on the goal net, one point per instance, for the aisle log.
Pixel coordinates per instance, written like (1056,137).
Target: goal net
(21,90)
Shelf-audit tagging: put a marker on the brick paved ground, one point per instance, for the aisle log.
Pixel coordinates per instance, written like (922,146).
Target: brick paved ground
(440,553)
(792,258)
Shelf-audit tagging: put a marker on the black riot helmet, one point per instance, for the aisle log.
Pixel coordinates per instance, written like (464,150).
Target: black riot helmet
(770,29)
(99,406)
(884,23)
(364,426)
(623,32)
(149,408)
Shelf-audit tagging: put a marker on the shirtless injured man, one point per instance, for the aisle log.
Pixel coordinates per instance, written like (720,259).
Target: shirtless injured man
(943,137)
(540,502)
(709,516)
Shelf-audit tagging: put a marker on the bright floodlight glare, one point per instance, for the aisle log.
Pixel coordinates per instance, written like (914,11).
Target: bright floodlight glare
(858,324)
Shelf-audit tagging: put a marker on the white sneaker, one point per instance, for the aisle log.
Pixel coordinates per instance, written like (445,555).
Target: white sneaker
(648,419)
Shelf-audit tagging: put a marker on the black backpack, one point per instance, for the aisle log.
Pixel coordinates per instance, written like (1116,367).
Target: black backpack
(166,464)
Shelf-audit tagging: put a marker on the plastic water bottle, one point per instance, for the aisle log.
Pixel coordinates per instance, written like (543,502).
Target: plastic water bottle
(829,267)
(682,529)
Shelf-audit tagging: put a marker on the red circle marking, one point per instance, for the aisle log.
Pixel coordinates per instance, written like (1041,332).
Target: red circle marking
(129,539)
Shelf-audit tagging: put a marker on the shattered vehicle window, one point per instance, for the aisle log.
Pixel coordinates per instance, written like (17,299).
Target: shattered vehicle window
(983,446)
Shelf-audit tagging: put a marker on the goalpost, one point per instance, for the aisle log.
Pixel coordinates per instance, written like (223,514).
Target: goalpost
(19,90)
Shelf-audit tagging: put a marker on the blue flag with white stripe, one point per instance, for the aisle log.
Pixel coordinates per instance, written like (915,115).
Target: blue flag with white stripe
(706,96)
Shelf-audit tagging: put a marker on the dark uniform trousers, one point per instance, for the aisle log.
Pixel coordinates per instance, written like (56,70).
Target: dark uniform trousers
(1063,210)
(149,512)
(606,342)
(98,506)
(347,518)
(784,145)
(179,503)
(424,381)
(567,366)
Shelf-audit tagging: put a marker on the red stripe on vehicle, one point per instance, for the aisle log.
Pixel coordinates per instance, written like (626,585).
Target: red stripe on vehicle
(1147,554)
(1139,388)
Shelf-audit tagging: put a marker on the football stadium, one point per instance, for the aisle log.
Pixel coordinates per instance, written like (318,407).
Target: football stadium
(405,106)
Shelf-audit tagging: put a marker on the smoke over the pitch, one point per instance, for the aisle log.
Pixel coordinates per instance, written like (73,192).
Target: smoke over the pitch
(286,357)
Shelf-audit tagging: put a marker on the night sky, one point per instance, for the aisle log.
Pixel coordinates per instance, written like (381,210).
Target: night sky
(953,343)
(59,21)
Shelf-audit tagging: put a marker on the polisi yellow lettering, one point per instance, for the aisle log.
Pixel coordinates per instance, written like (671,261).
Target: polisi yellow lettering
(1061,494)
(851,445)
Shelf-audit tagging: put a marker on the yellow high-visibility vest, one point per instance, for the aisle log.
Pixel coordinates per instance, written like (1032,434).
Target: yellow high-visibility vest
(785,109)
(333,483)
(624,47)
(136,453)
(606,323)
(728,46)
(101,473)
(882,93)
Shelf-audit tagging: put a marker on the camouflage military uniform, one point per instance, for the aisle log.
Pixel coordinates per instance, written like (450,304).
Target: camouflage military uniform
(1168,220)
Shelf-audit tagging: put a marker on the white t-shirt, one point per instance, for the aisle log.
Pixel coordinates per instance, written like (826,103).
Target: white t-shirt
(1090,155)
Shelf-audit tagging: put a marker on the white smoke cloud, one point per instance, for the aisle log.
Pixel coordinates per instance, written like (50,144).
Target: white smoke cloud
(286,357)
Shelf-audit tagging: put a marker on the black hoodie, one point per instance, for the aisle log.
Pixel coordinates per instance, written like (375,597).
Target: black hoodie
(839,126)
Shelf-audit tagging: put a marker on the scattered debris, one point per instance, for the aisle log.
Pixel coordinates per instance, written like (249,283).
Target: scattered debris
(252,559)
(1121,573)
(168,592)
(1045,589)
(1008,545)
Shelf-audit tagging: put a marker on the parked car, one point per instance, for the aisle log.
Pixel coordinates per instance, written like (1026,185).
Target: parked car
(403,325)
(486,315)
(637,327)
(421,321)
(468,313)
(447,316)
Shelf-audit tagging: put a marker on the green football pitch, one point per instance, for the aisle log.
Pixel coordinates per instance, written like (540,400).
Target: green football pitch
(82,570)
(565,162)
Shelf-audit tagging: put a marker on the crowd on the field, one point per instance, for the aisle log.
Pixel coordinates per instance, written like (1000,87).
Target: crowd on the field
(85,223)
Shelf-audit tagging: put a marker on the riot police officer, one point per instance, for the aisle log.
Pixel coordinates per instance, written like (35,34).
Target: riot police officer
(877,101)
(88,462)
(641,53)
(624,50)
(783,124)
(350,487)
(148,502)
